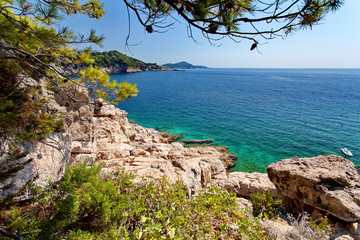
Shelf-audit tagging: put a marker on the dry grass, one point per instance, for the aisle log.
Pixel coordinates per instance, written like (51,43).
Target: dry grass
(300,228)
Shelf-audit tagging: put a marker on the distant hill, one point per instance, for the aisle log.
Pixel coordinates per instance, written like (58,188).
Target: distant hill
(182,65)
(114,61)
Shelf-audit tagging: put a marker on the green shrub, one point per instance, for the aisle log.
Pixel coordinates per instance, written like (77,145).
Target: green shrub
(88,205)
(265,204)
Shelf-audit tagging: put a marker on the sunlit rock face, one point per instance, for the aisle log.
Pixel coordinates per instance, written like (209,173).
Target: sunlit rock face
(244,184)
(100,132)
(45,162)
(328,183)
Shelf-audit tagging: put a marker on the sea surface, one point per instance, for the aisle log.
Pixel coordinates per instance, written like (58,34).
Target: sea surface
(262,115)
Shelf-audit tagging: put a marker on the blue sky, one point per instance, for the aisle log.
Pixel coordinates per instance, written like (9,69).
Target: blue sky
(332,44)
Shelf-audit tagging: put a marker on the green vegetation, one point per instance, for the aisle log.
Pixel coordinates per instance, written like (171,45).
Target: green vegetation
(33,50)
(21,117)
(111,58)
(89,205)
(182,65)
(265,204)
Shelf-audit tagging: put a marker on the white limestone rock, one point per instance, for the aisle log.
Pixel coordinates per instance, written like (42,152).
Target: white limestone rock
(244,184)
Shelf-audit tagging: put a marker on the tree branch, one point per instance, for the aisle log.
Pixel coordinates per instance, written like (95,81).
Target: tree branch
(18,236)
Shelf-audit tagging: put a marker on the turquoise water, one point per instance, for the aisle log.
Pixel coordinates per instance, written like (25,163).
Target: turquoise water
(262,115)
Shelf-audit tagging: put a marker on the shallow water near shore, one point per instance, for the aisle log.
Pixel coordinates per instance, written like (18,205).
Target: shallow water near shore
(262,115)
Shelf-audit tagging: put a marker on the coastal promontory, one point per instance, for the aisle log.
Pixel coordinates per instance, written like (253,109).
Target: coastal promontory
(117,62)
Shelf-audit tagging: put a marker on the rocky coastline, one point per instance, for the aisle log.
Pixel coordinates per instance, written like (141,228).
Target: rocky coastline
(122,68)
(118,68)
(97,132)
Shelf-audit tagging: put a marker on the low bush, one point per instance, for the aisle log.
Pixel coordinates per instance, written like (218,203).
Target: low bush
(88,205)
(265,204)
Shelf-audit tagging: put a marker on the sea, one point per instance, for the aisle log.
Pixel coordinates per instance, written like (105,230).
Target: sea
(261,115)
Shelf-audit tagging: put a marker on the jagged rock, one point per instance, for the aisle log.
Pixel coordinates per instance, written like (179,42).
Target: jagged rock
(329,183)
(244,184)
(116,142)
(103,109)
(82,147)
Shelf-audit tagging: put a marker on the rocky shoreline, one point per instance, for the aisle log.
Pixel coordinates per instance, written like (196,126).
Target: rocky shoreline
(97,132)
(118,68)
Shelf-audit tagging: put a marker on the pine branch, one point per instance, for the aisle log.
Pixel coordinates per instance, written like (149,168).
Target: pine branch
(18,236)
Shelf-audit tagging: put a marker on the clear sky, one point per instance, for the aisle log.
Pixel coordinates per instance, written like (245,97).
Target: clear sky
(335,43)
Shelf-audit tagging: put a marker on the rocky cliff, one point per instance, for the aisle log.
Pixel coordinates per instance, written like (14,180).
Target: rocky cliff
(119,68)
(96,131)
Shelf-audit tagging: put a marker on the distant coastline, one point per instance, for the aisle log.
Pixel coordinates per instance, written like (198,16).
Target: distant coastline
(183,65)
(116,62)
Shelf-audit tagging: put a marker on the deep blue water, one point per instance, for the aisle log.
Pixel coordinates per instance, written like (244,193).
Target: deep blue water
(259,114)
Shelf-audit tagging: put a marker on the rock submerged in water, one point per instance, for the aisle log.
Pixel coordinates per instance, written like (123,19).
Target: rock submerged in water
(170,138)
(328,183)
(198,141)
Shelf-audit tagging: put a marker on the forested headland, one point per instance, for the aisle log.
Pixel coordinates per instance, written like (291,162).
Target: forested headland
(113,58)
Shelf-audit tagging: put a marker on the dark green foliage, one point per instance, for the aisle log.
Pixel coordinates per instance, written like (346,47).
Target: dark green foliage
(236,19)
(111,58)
(21,109)
(87,205)
(31,45)
(33,48)
(266,204)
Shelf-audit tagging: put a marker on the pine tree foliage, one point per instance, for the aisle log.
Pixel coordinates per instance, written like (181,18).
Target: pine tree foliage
(237,19)
(32,48)
(111,58)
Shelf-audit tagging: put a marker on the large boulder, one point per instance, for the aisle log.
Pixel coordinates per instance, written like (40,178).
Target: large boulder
(329,183)
(244,184)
